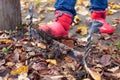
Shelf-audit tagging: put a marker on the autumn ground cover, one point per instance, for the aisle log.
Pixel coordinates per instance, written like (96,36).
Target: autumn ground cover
(22,59)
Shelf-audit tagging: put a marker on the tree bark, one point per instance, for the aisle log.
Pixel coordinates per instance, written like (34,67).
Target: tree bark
(10,14)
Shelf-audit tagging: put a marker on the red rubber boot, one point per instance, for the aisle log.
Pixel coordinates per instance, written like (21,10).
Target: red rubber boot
(101,16)
(60,26)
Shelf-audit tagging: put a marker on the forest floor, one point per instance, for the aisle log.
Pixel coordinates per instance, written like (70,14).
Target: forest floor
(22,59)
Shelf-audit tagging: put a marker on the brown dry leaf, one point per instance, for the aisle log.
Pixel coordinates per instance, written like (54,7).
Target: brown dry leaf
(6,41)
(95,75)
(10,64)
(68,42)
(53,61)
(117,75)
(41,17)
(82,30)
(20,70)
(2,62)
(42,45)
(40,10)
(39,66)
(113,69)
(105,60)
(69,59)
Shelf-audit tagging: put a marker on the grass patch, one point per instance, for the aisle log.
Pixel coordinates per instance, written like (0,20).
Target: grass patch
(118,45)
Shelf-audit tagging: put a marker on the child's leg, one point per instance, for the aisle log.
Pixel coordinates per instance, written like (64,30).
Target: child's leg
(67,6)
(64,15)
(98,12)
(98,5)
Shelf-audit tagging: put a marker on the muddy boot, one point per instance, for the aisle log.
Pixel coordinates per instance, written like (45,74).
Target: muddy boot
(101,17)
(60,25)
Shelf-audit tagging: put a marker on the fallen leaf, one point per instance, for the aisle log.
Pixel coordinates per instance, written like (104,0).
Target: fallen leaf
(113,5)
(10,64)
(50,8)
(42,45)
(68,42)
(105,60)
(113,69)
(82,30)
(27,17)
(84,39)
(95,75)
(53,61)
(2,62)
(23,76)
(116,75)
(39,66)
(40,10)
(77,20)
(31,53)
(109,12)
(20,70)
(69,59)
(5,41)
(41,17)
(56,77)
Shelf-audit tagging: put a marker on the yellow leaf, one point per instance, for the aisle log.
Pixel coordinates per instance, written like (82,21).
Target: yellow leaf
(113,5)
(77,20)
(53,61)
(5,41)
(109,12)
(22,69)
(82,30)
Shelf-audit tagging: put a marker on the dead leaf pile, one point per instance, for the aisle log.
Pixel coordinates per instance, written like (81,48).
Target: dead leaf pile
(22,59)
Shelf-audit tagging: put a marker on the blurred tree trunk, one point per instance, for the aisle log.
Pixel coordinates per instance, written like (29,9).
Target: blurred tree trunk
(10,14)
